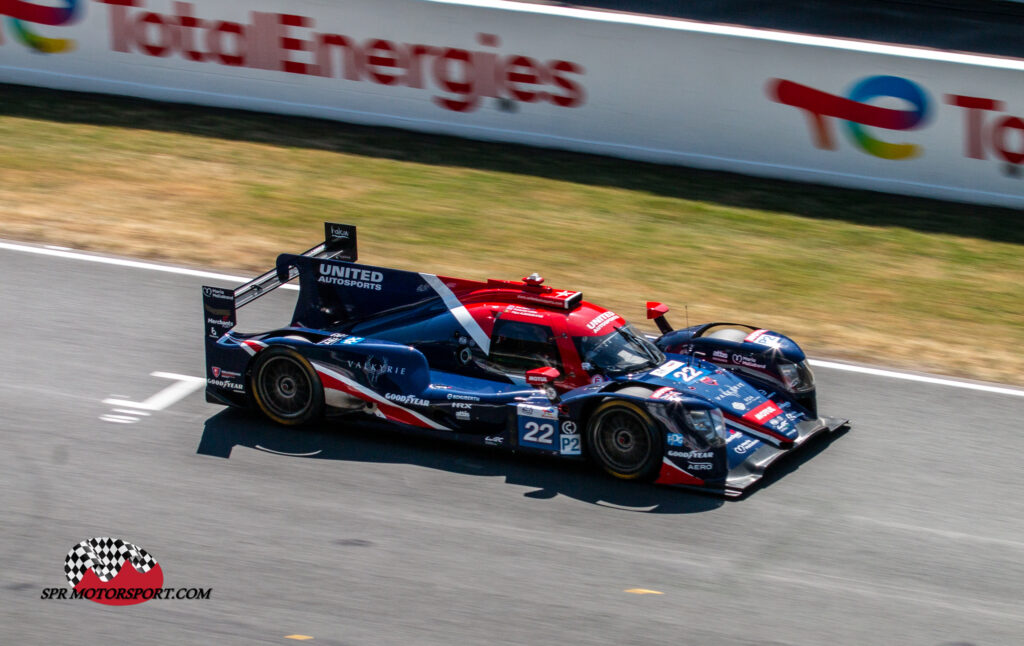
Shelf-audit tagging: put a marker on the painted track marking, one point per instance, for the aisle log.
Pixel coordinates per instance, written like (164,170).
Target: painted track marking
(184,385)
(642,591)
(183,271)
(926,379)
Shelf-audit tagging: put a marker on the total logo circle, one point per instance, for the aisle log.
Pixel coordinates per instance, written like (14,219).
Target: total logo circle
(113,572)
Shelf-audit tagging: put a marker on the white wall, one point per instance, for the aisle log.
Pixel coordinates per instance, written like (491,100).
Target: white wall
(631,86)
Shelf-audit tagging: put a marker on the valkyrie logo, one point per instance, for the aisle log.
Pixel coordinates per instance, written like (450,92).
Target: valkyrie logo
(20,14)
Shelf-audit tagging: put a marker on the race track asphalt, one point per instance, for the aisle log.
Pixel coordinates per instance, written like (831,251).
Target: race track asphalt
(909,529)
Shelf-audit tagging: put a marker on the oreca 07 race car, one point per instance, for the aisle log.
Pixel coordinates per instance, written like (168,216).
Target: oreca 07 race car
(517,365)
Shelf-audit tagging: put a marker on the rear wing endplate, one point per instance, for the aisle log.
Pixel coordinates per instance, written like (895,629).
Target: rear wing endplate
(220,305)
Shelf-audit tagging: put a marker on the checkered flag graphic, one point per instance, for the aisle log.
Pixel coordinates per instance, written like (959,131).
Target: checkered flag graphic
(104,556)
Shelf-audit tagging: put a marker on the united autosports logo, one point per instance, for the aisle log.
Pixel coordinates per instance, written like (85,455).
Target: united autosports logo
(115,572)
(856,111)
(23,19)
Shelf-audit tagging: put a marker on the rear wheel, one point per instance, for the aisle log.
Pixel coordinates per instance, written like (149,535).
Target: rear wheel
(624,441)
(286,388)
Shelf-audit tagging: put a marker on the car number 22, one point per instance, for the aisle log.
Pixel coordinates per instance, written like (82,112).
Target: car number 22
(539,433)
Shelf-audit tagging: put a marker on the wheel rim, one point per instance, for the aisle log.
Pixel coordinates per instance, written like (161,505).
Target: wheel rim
(284,387)
(622,441)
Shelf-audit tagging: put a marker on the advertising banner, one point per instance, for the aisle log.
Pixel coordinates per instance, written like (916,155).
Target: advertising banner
(880,117)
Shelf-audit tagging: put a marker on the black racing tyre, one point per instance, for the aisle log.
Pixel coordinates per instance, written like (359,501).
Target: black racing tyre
(285,387)
(624,441)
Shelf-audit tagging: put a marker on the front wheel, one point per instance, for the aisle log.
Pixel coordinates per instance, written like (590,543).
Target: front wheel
(286,388)
(624,441)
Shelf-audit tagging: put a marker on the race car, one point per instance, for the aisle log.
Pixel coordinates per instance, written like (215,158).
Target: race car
(516,365)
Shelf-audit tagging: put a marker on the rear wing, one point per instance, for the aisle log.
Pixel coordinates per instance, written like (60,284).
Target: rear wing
(220,305)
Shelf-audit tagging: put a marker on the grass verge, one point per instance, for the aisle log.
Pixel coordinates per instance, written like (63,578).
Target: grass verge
(898,281)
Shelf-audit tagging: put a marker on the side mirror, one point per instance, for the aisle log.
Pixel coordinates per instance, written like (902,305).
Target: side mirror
(657,311)
(542,378)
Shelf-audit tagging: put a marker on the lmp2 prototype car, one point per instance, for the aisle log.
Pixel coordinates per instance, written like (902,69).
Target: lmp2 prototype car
(516,365)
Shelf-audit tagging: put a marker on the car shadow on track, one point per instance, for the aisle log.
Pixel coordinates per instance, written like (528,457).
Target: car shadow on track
(374,443)
(792,463)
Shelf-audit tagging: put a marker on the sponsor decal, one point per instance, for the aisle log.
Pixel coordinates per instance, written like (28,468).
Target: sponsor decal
(20,14)
(217,372)
(537,380)
(374,369)
(519,310)
(598,379)
(462,414)
(406,399)
(667,368)
(675,439)
(569,427)
(114,572)
(700,466)
(339,338)
(339,232)
(468,398)
(294,44)
(729,393)
(763,413)
(691,455)
(543,412)
(739,406)
(222,383)
(461,405)
(747,361)
(745,446)
(216,292)
(710,381)
(666,392)
(344,276)
(719,355)
(493,440)
(601,320)
(856,111)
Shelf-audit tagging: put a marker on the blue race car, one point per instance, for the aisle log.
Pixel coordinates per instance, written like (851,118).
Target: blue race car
(517,365)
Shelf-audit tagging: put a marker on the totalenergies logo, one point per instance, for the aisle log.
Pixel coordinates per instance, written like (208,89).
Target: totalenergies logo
(20,14)
(857,112)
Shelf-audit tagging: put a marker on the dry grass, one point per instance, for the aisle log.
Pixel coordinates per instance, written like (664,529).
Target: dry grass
(910,283)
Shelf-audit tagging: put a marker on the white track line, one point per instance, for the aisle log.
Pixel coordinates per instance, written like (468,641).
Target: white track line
(124,262)
(938,381)
(818,363)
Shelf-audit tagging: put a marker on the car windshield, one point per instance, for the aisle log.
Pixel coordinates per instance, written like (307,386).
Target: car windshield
(620,351)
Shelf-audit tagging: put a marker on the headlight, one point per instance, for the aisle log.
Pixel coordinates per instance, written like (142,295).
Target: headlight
(709,423)
(797,376)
